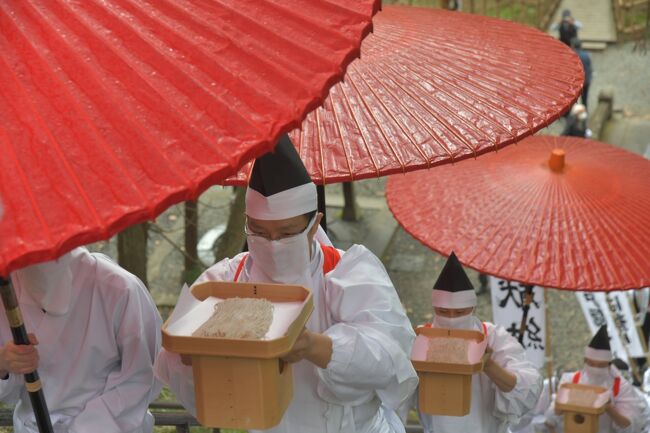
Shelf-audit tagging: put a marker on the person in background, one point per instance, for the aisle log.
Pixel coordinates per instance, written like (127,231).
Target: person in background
(567,28)
(623,410)
(96,336)
(351,364)
(576,122)
(585,58)
(509,385)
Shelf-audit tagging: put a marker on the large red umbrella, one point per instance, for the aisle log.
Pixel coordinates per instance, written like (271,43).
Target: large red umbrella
(110,111)
(522,215)
(432,87)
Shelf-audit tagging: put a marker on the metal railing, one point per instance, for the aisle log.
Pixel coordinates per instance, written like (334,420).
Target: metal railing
(164,413)
(167,414)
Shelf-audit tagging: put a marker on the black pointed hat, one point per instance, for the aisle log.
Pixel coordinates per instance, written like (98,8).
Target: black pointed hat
(598,348)
(453,289)
(600,340)
(279,186)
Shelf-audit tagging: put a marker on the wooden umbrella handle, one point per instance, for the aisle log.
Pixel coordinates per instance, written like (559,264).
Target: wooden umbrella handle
(528,298)
(32,380)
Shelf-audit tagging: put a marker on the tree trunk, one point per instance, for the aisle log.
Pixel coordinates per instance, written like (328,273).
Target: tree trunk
(192,268)
(132,250)
(232,241)
(350,209)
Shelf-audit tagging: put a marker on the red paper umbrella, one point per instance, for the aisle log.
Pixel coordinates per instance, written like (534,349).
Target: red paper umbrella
(434,86)
(580,224)
(110,111)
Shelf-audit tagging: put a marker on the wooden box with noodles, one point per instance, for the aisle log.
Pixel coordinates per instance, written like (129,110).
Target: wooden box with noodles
(445,360)
(239,383)
(582,406)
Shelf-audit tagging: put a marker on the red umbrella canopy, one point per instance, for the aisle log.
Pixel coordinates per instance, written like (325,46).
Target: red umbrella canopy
(111,111)
(432,87)
(578,226)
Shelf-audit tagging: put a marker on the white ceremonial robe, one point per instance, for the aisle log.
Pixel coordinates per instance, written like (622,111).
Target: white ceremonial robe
(534,420)
(370,373)
(644,416)
(96,362)
(628,402)
(492,410)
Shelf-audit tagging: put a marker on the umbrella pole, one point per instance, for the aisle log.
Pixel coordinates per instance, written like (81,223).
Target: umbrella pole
(320,191)
(32,380)
(528,298)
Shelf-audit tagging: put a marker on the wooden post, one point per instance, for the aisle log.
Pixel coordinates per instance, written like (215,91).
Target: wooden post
(32,380)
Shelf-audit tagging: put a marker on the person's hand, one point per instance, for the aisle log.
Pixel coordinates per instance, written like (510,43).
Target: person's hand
(487,357)
(186,360)
(19,359)
(311,346)
(301,348)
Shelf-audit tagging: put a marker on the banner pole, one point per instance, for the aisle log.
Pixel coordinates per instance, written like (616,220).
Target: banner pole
(548,352)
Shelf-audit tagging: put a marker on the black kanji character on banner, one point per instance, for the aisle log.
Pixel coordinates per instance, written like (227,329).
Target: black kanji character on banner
(532,335)
(514,291)
(589,297)
(514,330)
(598,317)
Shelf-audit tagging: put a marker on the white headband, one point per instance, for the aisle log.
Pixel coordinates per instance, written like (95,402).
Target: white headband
(286,204)
(462,299)
(598,354)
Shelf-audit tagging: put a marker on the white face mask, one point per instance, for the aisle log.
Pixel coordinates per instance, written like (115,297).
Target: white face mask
(283,260)
(596,375)
(49,284)
(461,322)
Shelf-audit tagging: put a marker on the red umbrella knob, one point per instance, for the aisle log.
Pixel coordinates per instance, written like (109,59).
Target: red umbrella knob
(556,161)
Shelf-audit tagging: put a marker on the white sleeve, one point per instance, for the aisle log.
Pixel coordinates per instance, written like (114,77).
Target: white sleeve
(123,404)
(630,404)
(171,371)
(371,336)
(536,416)
(553,418)
(510,355)
(10,388)
(168,367)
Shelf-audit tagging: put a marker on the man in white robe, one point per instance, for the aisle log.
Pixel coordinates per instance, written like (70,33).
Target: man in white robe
(509,386)
(97,334)
(351,364)
(626,405)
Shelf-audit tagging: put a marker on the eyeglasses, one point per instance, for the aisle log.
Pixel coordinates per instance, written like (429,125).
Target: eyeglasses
(249,232)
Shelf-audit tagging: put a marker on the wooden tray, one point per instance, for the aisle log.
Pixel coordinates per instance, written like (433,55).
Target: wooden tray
(273,348)
(589,410)
(446,388)
(242,384)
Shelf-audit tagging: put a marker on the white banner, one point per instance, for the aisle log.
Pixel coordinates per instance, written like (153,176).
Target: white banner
(613,310)
(507,298)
